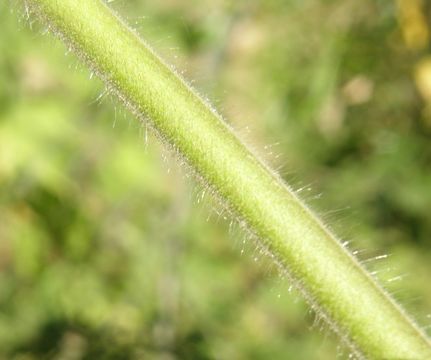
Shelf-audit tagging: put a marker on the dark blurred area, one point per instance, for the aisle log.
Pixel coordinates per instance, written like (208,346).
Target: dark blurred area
(108,250)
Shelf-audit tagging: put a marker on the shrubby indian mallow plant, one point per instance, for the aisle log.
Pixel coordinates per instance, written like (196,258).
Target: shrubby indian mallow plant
(329,277)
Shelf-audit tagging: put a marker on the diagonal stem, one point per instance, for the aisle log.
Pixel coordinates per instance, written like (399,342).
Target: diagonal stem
(330,278)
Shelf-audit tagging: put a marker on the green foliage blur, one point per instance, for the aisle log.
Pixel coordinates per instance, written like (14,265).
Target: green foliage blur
(108,250)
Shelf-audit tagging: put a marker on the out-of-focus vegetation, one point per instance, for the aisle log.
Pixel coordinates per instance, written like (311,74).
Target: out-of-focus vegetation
(109,251)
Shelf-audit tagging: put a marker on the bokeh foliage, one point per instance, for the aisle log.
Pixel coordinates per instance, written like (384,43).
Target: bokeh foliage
(108,250)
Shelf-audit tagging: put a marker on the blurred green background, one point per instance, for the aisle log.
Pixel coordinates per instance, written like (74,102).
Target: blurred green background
(108,250)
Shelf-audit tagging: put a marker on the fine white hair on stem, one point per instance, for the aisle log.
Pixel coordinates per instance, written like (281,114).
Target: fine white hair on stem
(302,245)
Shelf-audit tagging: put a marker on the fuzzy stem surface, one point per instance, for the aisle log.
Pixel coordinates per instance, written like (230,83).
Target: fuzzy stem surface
(330,278)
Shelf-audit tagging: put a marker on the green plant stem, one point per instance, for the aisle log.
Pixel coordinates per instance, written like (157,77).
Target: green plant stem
(332,280)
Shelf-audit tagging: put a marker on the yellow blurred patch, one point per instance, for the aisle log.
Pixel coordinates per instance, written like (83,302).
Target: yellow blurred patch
(413,24)
(422,74)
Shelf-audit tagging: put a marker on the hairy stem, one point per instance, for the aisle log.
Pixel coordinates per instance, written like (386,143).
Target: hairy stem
(330,278)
